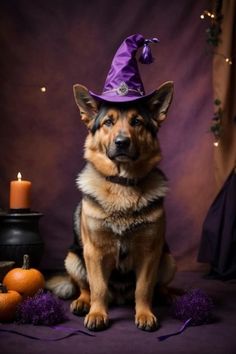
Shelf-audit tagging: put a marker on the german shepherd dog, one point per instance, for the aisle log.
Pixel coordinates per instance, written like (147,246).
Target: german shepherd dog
(119,252)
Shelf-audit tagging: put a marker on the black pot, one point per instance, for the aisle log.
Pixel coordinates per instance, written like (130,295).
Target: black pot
(19,235)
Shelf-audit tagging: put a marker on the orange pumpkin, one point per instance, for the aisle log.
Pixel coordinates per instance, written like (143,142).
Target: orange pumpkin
(9,300)
(26,281)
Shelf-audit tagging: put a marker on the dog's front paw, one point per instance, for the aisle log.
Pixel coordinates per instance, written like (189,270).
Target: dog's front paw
(79,307)
(146,321)
(96,321)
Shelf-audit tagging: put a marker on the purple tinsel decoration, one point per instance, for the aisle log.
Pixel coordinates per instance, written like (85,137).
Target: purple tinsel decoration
(195,304)
(41,309)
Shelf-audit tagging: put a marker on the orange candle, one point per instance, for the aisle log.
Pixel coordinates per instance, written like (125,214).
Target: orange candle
(20,191)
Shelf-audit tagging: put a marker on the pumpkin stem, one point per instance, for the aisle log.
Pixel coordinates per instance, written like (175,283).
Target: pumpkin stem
(3,288)
(26,262)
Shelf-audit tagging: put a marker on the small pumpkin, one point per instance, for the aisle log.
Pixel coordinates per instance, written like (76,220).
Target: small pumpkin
(9,300)
(26,281)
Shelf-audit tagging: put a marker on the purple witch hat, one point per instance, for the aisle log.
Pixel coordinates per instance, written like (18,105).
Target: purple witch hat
(123,82)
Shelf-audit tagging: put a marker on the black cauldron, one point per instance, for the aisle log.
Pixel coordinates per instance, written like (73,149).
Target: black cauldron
(19,235)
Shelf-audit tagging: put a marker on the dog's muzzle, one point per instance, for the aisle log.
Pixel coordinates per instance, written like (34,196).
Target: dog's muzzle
(122,149)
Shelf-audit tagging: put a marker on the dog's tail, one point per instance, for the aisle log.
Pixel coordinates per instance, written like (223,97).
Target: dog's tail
(62,286)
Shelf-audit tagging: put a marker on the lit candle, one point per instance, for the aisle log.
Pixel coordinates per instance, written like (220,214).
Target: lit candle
(20,193)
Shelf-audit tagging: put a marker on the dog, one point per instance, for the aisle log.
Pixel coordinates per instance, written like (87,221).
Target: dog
(119,252)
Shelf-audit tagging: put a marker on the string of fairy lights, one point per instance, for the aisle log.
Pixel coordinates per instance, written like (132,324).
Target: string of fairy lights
(207,14)
(213,33)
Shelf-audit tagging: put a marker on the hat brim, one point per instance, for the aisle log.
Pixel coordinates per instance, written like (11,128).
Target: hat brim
(119,98)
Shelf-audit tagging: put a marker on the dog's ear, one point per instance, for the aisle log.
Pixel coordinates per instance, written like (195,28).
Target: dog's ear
(160,101)
(87,105)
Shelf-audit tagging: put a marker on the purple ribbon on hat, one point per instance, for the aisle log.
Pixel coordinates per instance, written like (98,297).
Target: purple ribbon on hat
(146,56)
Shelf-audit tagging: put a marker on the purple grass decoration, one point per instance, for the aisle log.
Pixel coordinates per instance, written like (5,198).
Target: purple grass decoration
(41,309)
(193,308)
(195,304)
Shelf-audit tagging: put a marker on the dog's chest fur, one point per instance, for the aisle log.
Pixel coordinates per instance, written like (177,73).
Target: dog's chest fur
(121,209)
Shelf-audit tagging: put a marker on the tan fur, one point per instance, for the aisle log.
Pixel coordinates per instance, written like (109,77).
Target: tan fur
(120,228)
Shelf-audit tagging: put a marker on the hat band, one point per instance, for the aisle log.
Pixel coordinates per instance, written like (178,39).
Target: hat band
(123,90)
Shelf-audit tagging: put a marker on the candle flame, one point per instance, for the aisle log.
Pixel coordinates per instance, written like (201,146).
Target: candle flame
(19,176)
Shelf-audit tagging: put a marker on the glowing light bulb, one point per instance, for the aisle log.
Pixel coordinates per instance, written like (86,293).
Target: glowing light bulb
(43,89)
(202,16)
(229,61)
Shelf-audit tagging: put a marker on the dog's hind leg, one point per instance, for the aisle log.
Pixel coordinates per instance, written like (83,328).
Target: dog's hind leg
(76,268)
(165,293)
(167,269)
(81,305)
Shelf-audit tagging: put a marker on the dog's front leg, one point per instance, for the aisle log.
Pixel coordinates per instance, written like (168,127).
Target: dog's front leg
(99,269)
(146,277)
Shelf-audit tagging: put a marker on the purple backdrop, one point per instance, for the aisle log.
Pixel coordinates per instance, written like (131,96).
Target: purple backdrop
(58,43)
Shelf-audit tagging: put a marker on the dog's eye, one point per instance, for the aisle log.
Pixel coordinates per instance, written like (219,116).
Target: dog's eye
(135,121)
(108,122)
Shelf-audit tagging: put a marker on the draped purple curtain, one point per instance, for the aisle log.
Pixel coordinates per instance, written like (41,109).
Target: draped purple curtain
(58,43)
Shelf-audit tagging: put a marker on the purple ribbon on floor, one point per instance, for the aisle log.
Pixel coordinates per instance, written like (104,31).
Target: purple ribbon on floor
(73,331)
(185,325)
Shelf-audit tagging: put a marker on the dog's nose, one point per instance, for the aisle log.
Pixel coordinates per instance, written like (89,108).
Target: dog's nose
(122,141)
